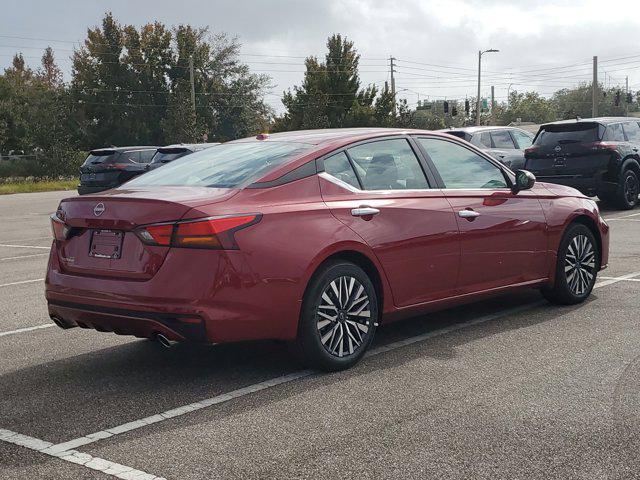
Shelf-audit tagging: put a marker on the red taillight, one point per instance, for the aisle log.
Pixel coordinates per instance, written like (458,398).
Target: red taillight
(157,234)
(59,229)
(530,150)
(214,232)
(602,146)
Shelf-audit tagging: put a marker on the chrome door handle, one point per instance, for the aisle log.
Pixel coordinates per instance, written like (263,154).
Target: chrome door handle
(468,214)
(364,211)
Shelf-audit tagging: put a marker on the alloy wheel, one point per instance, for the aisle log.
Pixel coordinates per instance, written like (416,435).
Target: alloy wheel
(343,317)
(580,264)
(631,189)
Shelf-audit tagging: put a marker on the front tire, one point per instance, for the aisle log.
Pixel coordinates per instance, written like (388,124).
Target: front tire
(576,267)
(339,317)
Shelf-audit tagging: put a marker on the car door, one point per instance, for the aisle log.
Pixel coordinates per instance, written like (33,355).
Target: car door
(380,190)
(503,235)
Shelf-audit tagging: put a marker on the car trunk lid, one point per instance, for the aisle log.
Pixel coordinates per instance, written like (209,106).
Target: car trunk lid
(102,241)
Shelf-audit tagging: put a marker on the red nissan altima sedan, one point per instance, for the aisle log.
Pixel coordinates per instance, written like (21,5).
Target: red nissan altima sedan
(316,237)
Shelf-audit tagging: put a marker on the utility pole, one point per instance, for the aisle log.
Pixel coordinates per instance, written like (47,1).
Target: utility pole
(193,87)
(478,98)
(594,88)
(626,96)
(480,52)
(393,85)
(493,115)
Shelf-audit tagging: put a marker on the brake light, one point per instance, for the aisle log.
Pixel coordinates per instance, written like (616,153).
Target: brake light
(117,166)
(215,232)
(156,234)
(530,150)
(59,229)
(602,146)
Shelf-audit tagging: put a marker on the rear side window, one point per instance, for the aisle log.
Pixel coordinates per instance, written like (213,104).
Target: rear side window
(553,135)
(232,165)
(614,133)
(166,155)
(485,140)
(502,139)
(388,165)
(101,156)
(632,131)
(146,155)
(461,168)
(338,166)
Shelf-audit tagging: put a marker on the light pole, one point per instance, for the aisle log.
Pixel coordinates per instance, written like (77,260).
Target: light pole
(480,52)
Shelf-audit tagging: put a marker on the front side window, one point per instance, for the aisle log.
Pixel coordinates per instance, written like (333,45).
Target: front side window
(502,139)
(388,165)
(522,139)
(338,166)
(460,167)
(231,165)
(632,130)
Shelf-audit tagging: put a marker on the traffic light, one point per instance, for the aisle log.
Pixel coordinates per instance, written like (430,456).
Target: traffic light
(454,110)
(445,107)
(616,101)
(629,98)
(467,107)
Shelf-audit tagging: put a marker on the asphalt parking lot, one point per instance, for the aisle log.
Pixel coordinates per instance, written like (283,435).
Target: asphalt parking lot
(507,388)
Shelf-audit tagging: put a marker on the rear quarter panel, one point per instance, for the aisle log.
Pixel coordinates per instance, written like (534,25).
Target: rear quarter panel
(261,291)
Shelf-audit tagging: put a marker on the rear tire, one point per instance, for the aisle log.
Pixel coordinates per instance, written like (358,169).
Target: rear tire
(576,267)
(628,190)
(339,317)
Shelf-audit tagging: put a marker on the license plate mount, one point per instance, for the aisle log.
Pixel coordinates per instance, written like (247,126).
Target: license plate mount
(106,244)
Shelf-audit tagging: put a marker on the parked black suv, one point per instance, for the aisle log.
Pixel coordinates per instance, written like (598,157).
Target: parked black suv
(505,144)
(107,168)
(598,156)
(173,152)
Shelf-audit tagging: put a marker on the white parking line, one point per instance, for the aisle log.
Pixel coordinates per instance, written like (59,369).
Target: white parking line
(24,246)
(611,280)
(622,280)
(72,456)
(27,329)
(225,397)
(22,282)
(24,256)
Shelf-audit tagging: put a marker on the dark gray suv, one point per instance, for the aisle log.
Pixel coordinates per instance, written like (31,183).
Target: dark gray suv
(598,156)
(505,144)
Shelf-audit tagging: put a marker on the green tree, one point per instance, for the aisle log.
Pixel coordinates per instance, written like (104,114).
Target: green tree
(330,94)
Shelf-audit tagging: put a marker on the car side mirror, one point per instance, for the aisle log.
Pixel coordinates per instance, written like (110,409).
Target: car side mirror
(525,180)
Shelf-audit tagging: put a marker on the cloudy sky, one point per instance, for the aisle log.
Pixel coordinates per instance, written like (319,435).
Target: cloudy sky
(544,45)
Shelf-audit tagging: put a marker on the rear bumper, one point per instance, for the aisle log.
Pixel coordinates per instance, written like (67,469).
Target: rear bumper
(142,324)
(86,189)
(589,186)
(196,295)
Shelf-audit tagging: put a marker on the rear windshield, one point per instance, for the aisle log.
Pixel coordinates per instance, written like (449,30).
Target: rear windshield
(101,156)
(165,155)
(459,134)
(232,165)
(552,135)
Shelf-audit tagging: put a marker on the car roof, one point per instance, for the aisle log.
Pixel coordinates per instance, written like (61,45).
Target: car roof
(330,135)
(475,129)
(322,142)
(600,120)
(191,145)
(124,149)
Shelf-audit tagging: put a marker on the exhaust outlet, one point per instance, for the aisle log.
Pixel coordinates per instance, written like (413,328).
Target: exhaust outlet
(164,341)
(59,322)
